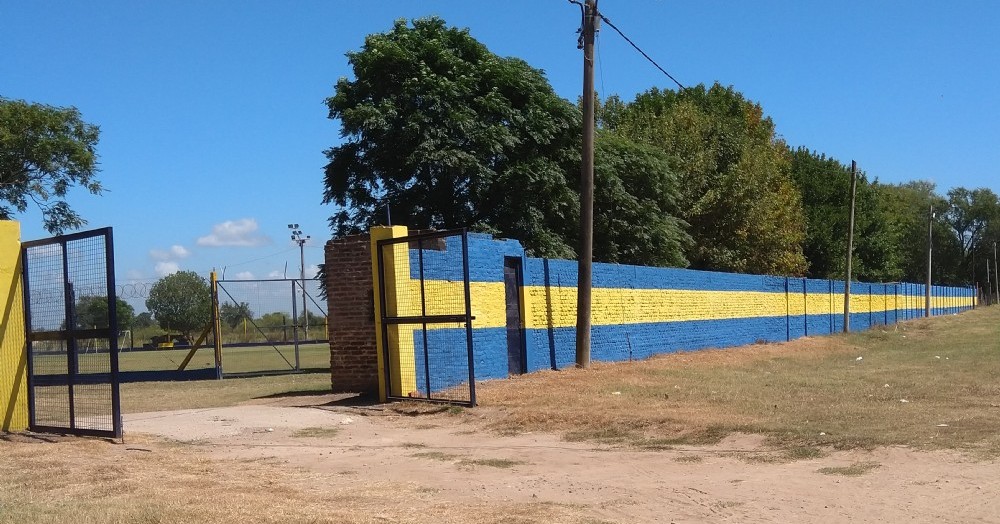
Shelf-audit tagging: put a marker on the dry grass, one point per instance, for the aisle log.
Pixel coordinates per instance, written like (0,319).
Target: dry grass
(807,393)
(854,470)
(83,481)
(316,432)
(492,463)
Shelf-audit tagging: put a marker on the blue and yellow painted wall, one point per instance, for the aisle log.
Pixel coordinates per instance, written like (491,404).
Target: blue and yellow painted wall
(638,311)
(13,355)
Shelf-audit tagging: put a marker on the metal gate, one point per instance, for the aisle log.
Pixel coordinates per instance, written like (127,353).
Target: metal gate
(427,317)
(272,327)
(71,325)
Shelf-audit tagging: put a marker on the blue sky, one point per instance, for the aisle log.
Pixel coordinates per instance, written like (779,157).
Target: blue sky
(213,123)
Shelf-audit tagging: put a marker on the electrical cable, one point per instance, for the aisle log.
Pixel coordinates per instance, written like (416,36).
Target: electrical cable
(637,48)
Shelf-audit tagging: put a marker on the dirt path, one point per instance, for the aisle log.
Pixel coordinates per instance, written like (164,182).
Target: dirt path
(737,480)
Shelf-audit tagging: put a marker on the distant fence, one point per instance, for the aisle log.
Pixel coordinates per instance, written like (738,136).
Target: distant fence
(272,326)
(264,327)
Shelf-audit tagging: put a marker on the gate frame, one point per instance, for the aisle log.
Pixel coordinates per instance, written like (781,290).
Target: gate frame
(423,319)
(296,287)
(69,335)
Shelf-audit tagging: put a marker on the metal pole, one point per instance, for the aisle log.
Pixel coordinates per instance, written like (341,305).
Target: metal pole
(930,249)
(295,328)
(301,240)
(116,402)
(850,250)
(584,275)
(468,317)
(216,326)
(302,275)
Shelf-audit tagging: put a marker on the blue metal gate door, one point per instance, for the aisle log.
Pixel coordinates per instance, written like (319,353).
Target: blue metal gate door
(72,334)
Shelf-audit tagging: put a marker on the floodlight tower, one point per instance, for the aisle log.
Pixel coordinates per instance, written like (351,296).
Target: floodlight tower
(301,240)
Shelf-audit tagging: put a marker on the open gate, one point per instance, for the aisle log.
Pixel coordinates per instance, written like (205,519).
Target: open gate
(426,317)
(72,334)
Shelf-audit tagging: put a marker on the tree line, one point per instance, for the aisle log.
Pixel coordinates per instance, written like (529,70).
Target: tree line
(439,132)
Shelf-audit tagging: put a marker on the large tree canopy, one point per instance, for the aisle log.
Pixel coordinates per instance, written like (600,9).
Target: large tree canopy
(92,312)
(736,194)
(825,187)
(44,152)
(635,205)
(181,302)
(440,132)
(970,213)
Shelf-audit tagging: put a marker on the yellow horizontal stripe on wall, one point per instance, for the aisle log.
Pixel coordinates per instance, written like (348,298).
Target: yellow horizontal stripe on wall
(448,298)
(556,306)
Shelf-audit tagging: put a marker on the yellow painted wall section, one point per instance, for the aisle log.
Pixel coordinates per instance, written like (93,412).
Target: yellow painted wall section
(400,338)
(13,351)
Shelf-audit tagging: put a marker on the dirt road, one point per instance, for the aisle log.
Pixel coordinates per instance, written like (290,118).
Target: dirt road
(454,461)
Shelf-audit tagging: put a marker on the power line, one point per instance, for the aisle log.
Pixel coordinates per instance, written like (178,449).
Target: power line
(643,53)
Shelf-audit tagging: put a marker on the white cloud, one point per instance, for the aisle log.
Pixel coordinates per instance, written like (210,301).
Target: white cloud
(244,275)
(276,274)
(167,268)
(312,271)
(175,252)
(236,233)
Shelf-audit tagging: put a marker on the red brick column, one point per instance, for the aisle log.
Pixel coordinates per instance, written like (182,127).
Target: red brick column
(353,358)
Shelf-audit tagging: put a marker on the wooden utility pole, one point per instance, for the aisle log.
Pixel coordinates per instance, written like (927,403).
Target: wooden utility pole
(996,270)
(930,249)
(989,283)
(584,274)
(850,250)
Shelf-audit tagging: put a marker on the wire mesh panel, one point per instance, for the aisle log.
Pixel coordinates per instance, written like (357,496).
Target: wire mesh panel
(426,317)
(272,326)
(70,309)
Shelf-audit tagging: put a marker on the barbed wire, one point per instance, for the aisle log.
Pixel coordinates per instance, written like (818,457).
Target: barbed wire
(134,289)
(127,290)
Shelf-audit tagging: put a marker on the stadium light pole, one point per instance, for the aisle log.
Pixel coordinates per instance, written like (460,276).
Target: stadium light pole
(301,241)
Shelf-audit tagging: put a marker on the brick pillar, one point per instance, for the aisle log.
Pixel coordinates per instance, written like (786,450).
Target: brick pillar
(353,353)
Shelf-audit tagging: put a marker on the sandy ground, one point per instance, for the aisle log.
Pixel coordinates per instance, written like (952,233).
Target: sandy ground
(453,457)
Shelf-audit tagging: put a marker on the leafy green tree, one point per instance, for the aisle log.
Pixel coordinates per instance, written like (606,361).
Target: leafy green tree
(442,133)
(233,314)
(908,208)
(736,193)
(970,213)
(143,320)
(182,302)
(44,152)
(92,312)
(277,325)
(825,187)
(635,205)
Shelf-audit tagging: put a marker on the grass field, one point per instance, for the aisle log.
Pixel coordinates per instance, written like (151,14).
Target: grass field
(234,359)
(929,383)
